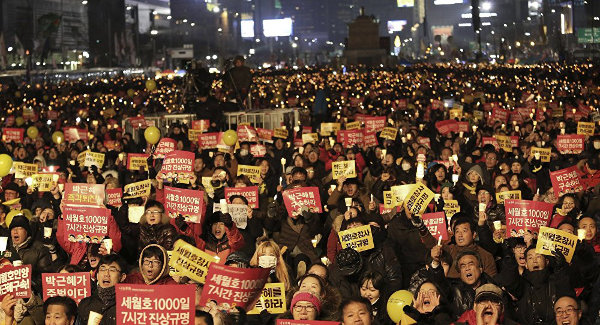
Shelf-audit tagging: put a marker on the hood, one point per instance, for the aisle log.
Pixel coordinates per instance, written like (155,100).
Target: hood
(165,267)
(477,169)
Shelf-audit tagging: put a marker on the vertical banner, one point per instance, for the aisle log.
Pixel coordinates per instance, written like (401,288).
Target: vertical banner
(190,261)
(436,223)
(551,239)
(526,216)
(85,223)
(187,203)
(249,192)
(15,280)
(75,285)
(566,181)
(139,304)
(84,194)
(358,238)
(297,198)
(233,287)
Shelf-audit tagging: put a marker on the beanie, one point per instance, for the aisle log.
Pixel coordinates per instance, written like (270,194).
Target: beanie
(307,296)
(20,221)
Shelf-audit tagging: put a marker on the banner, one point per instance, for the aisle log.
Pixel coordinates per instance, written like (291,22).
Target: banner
(349,138)
(140,304)
(436,223)
(272,299)
(178,164)
(246,133)
(399,193)
(370,139)
(490,140)
(526,216)
(43,182)
(113,196)
(74,285)
(297,198)
(194,134)
(451,207)
(138,189)
(74,134)
(84,194)
(164,146)
(15,281)
(358,238)
(418,199)
(258,150)
(375,123)
(137,160)
(566,181)
(388,200)
(305,322)
(138,122)
(249,192)
(24,170)
(253,172)
(188,203)
(94,159)
(85,223)
(545,153)
(551,239)
(446,126)
(13,134)
(570,143)
(209,140)
(498,114)
(190,261)
(239,214)
(586,128)
(280,133)
(346,168)
(236,287)
(328,129)
(507,195)
(265,135)
(389,133)
(310,138)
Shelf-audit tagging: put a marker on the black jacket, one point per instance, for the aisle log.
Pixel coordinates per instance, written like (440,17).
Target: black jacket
(405,239)
(106,307)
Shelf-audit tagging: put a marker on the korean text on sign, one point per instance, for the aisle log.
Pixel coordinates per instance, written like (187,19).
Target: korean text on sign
(139,304)
(359,238)
(74,285)
(189,261)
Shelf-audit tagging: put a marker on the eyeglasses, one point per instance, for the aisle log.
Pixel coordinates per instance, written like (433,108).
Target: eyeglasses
(568,311)
(156,213)
(111,269)
(299,308)
(152,263)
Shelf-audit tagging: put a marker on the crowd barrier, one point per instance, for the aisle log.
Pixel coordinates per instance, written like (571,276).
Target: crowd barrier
(264,118)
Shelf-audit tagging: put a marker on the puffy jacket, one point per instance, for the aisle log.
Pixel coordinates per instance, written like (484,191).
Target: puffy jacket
(162,278)
(161,234)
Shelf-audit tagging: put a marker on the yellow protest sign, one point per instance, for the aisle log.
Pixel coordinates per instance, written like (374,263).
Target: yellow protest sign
(345,168)
(389,133)
(586,128)
(93,159)
(353,125)
(191,262)
(310,138)
(456,112)
(544,153)
(418,199)
(504,142)
(81,158)
(451,207)
(253,172)
(272,299)
(280,133)
(550,239)
(43,182)
(399,193)
(207,185)
(135,161)
(328,129)
(388,200)
(137,189)
(172,271)
(23,170)
(359,238)
(507,195)
(193,134)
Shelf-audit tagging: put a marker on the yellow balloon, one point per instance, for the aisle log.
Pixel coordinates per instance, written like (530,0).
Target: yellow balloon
(396,303)
(150,84)
(230,137)
(130,92)
(152,135)
(19,120)
(32,132)
(58,137)
(6,163)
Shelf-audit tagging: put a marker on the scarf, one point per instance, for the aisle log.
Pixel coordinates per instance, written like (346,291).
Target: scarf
(108,296)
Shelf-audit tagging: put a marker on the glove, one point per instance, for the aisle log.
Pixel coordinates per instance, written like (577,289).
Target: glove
(180,223)
(226,220)
(559,260)
(272,210)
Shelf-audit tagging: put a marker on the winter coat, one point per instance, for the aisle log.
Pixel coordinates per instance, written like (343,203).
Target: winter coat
(103,302)
(440,315)
(161,234)
(470,318)
(463,295)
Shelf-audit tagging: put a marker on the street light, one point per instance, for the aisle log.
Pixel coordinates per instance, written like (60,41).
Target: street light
(486,6)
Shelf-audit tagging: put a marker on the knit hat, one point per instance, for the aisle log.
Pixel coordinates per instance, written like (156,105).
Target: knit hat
(20,221)
(348,261)
(307,296)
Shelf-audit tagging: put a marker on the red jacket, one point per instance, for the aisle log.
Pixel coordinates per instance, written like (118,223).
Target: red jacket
(78,250)
(137,278)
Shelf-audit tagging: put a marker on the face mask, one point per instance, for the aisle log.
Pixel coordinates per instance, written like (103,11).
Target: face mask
(243,152)
(267,262)
(405,167)
(597,145)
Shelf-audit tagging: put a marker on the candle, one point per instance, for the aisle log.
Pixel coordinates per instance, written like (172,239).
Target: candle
(461,133)
(403,139)
(562,131)
(497,225)
(581,234)
(383,153)
(482,207)
(333,187)
(537,155)
(283,163)
(455,157)
(420,171)
(223,206)
(454,178)
(372,199)
(474,128)
(348,201)
(440,241)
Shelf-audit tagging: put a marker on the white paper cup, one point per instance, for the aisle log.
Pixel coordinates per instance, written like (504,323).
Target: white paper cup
(482,207)
(3,243)
(223,206)
(47,232)
(348,201)
(94,318)
(581,234)
(108,244)
(497,224)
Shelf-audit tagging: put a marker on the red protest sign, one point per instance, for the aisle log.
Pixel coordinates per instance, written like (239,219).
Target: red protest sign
(499,114)
(370,139)
(463,127)
(73,134)
(436,223)
(113,196)
(208,140)
(384,210)
(237,287)
(201,125)
(566,181)
(246,133)
(249,192)
(137,122)
(305,322)
(165,145)
(375,123)
(265,134)
(349,138)
(424,142)
(447,126)
(140,304)
(85,223)
(188,203)
(74,285)
(490,140)
(12,134)
(570,143)
(84,194)
(523,216)
(297,198)
(178,161)
(258,150)
(15,281)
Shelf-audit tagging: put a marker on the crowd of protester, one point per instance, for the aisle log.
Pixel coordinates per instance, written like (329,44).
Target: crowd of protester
(478,276)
